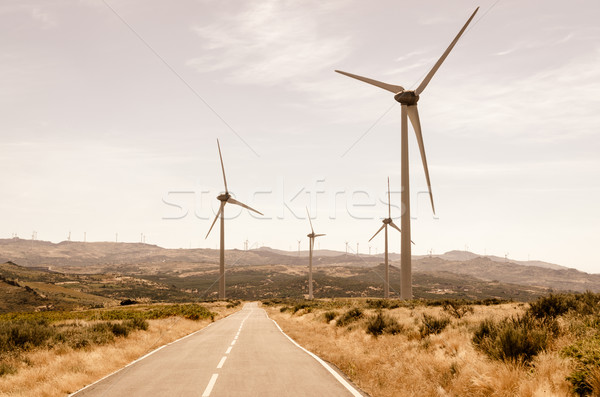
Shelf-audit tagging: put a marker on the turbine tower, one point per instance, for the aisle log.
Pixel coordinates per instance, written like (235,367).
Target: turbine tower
(224,199)
(386,222)
(311,246)
(408,99)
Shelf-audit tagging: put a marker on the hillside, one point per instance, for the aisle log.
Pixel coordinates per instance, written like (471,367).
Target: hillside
(27,289)
(144,261)
(510,272)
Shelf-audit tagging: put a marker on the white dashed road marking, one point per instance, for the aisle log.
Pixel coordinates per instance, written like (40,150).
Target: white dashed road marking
(211,384)
(214,377)
(220,365)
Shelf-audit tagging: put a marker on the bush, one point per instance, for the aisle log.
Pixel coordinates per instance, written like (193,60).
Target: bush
(232,304)
(6,369)
(329,316)
(586,355)
(301,306)
(349,317)
(456,308)
(24,334)
(383,324)
(433,325)
(552,306)
(517,339)
(119,329)
(382,304)
(138,323)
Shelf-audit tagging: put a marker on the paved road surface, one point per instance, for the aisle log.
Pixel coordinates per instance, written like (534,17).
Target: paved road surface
(245,354)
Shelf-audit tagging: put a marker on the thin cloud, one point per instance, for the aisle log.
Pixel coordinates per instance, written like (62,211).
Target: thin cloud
(46,20)
(268,44)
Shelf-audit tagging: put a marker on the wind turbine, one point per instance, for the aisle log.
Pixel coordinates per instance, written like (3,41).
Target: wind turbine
(224,199)
(311,246)
(408,99)
(386,222)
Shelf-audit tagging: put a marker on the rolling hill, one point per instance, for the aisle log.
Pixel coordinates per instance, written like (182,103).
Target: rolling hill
(119,271)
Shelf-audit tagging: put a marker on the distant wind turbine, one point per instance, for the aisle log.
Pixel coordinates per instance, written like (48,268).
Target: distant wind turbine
(386,222)
(311,246)
(408,99)
(224,198)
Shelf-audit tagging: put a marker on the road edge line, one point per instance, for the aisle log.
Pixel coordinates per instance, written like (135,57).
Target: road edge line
(333,372)
(143,357)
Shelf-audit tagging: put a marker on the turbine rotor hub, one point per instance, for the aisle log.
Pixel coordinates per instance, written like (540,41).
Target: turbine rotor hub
(387,221)
(409,98)
(312,235)
(223,197)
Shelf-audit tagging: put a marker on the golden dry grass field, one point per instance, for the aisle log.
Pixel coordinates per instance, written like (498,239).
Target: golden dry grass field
(413,360)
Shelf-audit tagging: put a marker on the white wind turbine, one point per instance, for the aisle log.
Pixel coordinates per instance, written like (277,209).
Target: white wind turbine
(408,99)
(224,198)
(311,246)
(386,222)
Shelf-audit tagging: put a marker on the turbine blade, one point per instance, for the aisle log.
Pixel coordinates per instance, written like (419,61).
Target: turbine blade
(311,228)
(216,217)
(389,87)
(413,114)
(222,167)
(427,78)
(380,229)
(234,201)
(389,200)
(319,235)
(392,224)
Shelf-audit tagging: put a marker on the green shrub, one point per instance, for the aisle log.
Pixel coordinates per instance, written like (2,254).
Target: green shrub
(24,334)
(586,355)
(6,369)
(383,324)
(119,329)
(283,309)
(349,317)
(300,306)
(330,315)
(456,308)
(432,325)
(517,339)
(233,303)
(138,323)
(552,306)
(382,304)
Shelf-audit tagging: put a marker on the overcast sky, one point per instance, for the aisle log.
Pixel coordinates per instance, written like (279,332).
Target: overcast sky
(110,111)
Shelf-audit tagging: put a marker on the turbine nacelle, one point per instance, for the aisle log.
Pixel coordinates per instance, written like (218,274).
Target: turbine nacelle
(387,221)
(224,197)
(409,98)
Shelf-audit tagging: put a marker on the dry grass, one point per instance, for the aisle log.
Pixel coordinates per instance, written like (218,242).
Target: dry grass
(62,370)
(445,364)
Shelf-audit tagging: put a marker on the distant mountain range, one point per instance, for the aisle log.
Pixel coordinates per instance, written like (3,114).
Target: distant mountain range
(148,260)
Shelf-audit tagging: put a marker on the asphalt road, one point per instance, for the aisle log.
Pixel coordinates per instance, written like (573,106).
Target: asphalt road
(245,354)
